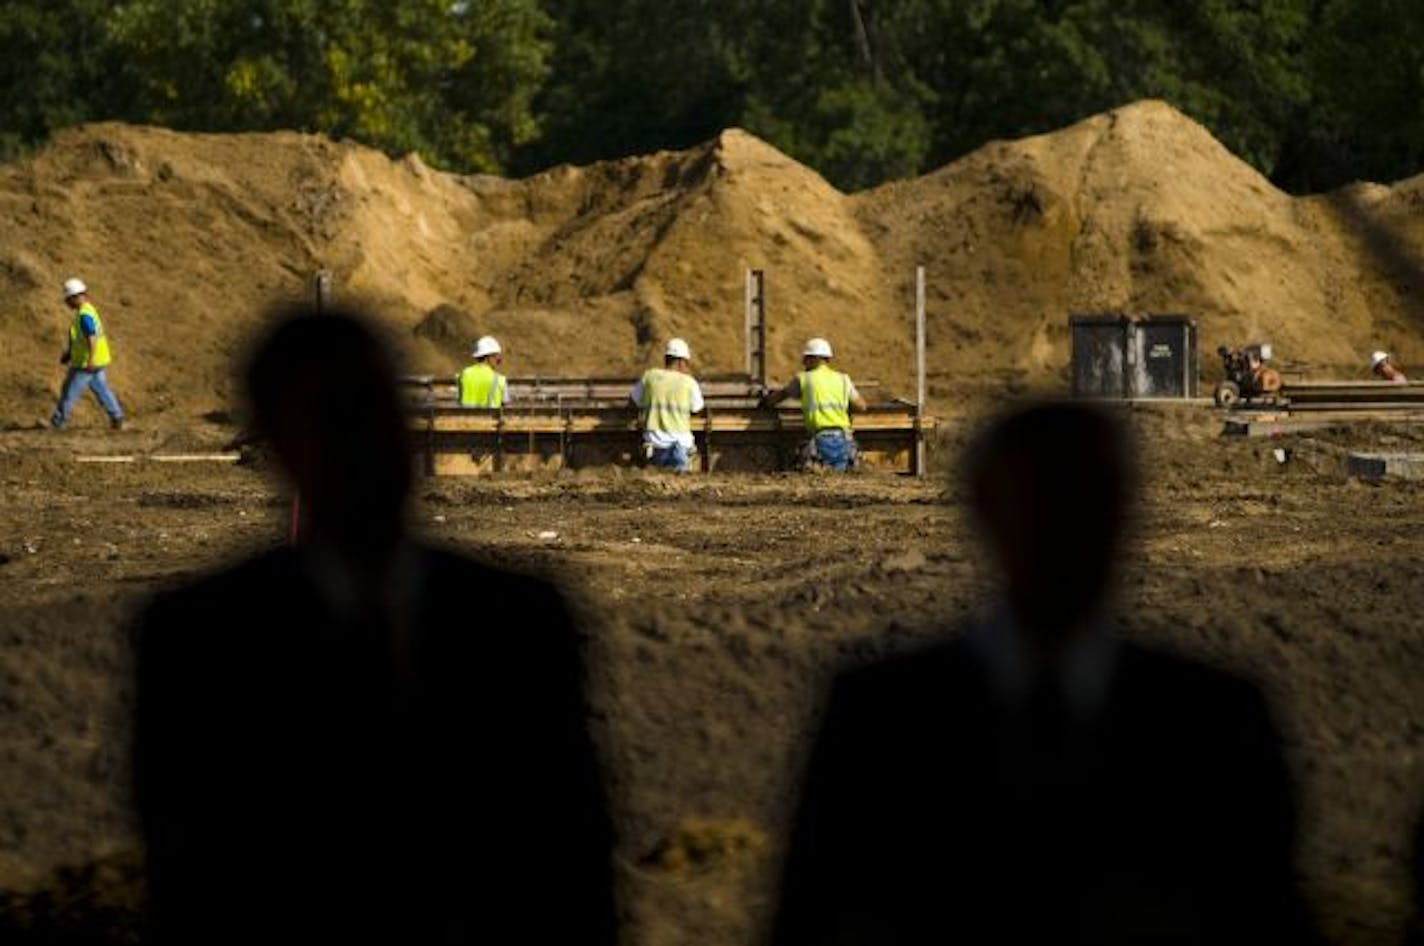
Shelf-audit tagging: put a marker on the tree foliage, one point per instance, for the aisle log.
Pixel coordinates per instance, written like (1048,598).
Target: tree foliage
(1313,92)
(454,81)
(54,52)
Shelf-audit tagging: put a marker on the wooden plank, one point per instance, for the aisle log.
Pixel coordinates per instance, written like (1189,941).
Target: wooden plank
(1313,406)
(158,458)
(459,441)
(1416,386)
(594,421)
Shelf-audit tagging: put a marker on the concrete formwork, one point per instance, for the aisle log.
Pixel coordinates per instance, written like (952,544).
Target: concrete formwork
(578,423)
(555,423)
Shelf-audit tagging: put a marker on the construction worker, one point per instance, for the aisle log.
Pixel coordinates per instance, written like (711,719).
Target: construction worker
(1384,367)
(88,358)
(827,397)
(667,397)
(480,384)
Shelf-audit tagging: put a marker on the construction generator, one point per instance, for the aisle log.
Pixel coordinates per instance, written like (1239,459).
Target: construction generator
(1246,376)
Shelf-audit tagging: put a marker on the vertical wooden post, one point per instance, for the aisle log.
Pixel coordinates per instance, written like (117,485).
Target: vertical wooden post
(755,304)
(321,290)
(919,369)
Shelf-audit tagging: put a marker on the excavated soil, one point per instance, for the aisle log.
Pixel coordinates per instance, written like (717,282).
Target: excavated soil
(184,239)
(716,605)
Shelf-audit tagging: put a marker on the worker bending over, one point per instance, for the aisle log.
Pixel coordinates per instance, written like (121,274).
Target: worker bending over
(667,397)
(827,397)
(480,384)
(88,358)
(1384,368)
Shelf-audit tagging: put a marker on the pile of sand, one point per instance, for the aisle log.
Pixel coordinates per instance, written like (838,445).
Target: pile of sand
(185,239)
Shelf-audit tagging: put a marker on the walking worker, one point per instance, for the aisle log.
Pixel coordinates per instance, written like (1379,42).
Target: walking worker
(827,397)
(668,397)
(88,358)
(480,384)
(1384,367)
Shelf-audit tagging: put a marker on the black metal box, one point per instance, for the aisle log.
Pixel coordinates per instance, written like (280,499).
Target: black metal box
(1118,356)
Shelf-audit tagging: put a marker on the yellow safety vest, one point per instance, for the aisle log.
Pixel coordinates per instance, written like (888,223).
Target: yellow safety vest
(79,342)
(667,401)
(825,398)
(481,386)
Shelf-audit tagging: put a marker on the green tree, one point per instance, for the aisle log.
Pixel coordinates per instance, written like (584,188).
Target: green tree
(866,90)
(631,76)
(1007,68)
(453,81)
(1365,115)
(1313,92)
(843,100)
(55,70)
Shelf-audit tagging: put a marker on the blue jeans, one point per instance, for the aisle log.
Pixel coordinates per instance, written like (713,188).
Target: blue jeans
(75,382)
(834,449)
(677,457)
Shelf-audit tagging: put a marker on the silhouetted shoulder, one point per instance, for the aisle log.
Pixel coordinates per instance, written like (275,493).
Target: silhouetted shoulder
(929,662)
(1140,674)
(491,595)
(507,624)
(1158,669)
(943,669)
(224,615)
(939,806)
(391,776)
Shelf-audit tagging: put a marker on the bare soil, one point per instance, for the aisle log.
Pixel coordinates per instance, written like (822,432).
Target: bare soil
(185,239)
(717,605)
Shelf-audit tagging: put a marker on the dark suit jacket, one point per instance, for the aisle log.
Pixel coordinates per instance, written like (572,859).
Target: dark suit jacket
(293,788)
(932,812)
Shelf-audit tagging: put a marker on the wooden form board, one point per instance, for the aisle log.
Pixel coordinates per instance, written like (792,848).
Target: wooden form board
(455,441)
(1337,395)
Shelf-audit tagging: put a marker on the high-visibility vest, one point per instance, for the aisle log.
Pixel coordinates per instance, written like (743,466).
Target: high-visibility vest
(481,386)
(79,342)
(667,401)
(825,398)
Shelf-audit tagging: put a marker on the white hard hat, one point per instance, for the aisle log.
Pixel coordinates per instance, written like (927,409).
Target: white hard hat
(485,346)
(677,348)
(73,287)
(816,347)
(1378,357)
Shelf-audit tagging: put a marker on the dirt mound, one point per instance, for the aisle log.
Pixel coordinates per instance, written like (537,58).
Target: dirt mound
(183,238)
(1141,210)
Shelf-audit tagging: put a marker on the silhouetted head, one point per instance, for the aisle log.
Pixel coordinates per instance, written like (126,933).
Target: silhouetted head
(323,391)
(1049,485)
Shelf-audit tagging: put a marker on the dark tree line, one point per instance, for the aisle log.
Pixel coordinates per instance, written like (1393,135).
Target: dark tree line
(1315,93)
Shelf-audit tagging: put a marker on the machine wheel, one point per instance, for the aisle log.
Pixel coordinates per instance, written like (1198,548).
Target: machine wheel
(1227,394)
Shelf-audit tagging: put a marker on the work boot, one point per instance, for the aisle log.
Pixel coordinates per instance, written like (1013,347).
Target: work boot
(116,423)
